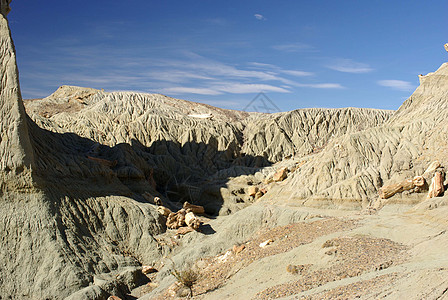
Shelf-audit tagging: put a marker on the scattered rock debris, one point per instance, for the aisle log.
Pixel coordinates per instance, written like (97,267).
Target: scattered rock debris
(355,255)
(217,270)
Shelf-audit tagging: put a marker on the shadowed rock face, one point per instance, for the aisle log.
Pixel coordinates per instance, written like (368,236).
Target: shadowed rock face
(4,7)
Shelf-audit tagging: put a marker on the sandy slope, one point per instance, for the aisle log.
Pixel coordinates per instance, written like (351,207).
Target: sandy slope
(398,253)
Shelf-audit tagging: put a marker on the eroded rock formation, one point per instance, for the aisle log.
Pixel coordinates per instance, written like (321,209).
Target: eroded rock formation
(191,158)
(16,151)
(72,179)
(353,167)
(59,227)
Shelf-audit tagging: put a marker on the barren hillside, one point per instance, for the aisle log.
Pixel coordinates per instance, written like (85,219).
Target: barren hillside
(93,184)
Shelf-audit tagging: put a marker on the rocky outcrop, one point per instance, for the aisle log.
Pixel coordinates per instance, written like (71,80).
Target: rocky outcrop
(353,167)
(191,158)
(73,177)
(65,218)
(16,151)
(305,131)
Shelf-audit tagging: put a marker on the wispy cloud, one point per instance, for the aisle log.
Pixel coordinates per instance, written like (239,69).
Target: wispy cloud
(322,85)
(297,73)
(240,88)
(349,66)
(260,17)
(294,47)
(178,73)
(224,87)
(278,70)
(397,84)
(189,90)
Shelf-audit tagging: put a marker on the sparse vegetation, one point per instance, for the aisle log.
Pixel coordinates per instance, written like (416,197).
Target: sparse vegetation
(297,269)
(188,277)
(329,243)
(292,269)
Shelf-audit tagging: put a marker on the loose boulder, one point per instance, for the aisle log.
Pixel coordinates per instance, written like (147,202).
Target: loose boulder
(436,188)
(176,220)
(192,221)
(280,175)
(197,209)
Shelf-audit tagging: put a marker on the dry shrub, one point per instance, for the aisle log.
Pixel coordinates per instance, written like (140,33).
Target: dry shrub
(329,243)
(187,277)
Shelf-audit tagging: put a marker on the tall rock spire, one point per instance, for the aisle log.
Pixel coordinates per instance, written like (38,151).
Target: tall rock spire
(16,151)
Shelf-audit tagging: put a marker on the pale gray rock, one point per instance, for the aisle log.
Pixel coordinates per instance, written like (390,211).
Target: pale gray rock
(72,176)
(193,158)
(16,152)
(351,169)
(64,217)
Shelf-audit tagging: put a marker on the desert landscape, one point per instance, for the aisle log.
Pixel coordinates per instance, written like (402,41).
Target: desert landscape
(126,195)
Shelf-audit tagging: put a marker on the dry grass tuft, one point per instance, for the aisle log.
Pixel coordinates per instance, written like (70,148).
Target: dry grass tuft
(187,277)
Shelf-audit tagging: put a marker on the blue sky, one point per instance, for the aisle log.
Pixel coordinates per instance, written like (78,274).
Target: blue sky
(299,53)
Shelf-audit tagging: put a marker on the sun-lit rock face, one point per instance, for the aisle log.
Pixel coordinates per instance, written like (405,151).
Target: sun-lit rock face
(16,153)
(352,167)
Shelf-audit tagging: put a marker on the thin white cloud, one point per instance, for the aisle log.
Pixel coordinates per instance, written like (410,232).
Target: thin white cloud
(260,17)
(35,92)
(224,87)
(187,73)
(349,66)
(317,85)
(175,76)
(323,85)
(397,84)
(277,69)
(297,73)
(241,88)
(262,65)
(293,47)
(189,90)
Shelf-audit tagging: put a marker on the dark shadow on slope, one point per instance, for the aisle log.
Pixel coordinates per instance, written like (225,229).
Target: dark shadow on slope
(206,229)
(68,165)
(71,170)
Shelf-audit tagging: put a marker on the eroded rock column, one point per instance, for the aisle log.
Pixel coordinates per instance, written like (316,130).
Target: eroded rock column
(16,152)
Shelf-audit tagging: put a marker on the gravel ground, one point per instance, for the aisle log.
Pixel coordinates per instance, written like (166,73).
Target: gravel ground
(215,271)
(354,256)
(357,290)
